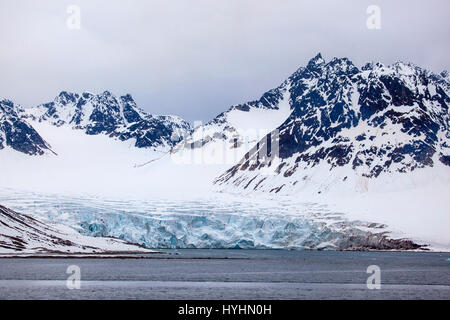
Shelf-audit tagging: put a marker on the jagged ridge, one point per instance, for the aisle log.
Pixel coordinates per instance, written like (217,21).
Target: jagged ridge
(116,117)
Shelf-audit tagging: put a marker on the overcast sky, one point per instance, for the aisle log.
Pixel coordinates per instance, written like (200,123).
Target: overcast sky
(195,58)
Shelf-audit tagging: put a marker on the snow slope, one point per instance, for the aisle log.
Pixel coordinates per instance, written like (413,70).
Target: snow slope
(192,165)
(24,234)
(92,164)
(226,138)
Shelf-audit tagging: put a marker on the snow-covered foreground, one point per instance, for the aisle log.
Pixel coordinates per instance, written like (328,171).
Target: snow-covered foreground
(20,233)
(213,221)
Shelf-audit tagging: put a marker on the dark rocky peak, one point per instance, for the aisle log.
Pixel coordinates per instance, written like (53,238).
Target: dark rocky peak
(127,98)
(7,107)
(319,72)
(66,98)
(341,66)
(367,66)
(131,112)
(316,61)
(106,101)
(312,69)
(87,95)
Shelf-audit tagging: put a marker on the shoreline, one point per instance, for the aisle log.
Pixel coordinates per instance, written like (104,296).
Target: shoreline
(176,255)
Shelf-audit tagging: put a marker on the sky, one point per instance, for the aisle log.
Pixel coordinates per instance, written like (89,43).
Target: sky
(196,58)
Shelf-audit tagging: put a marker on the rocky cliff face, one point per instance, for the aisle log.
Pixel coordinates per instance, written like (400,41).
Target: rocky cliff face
(17,133)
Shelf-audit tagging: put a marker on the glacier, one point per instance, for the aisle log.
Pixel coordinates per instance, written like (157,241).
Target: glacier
(219,221)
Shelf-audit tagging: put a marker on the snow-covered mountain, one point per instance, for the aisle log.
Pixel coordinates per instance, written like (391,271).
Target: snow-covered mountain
(17,133)
(116,117)
(20,233)
(96,143)
(350,126)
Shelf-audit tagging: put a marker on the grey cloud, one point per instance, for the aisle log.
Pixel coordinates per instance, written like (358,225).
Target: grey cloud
(195,58)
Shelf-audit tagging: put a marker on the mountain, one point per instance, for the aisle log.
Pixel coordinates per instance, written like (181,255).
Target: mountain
(351,126)
(20,233)
(332,126)
(17,133)
(116,117)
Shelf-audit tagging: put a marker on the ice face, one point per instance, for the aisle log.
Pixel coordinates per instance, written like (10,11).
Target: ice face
(221,222)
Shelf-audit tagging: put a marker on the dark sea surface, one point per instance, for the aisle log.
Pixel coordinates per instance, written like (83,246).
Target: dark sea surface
(231,274)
